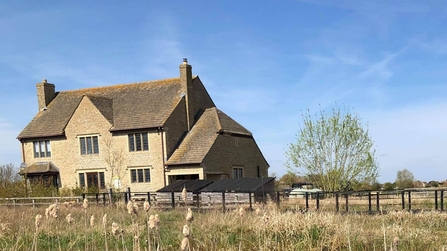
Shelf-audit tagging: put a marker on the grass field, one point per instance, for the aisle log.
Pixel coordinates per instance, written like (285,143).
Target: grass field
(264,228)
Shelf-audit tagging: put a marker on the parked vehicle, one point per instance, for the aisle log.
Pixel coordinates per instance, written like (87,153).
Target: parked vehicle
(299,190)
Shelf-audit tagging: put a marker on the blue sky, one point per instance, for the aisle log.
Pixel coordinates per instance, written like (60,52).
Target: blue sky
(263,63)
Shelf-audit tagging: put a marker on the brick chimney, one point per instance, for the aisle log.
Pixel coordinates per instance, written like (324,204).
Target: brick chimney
(45,94)
(186,81)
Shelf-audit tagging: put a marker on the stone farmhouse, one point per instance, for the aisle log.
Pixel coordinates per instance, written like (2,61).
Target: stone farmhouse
(143,135)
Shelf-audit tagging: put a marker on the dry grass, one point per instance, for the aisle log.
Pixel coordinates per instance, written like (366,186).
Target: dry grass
(265,228)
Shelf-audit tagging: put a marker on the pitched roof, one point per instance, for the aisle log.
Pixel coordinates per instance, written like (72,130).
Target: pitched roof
(243,185)
(40,168)
(190,186)
(126,106)
(202,136)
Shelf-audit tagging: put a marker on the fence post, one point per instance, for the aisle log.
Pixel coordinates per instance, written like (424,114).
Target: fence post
(369,202)
(128,192)
(307,201)
(436,199)
(249,199)
(277,199)
(346,198)
(83,196)
(442,200)
(409,200)
(172,200)
(97,198)
(198,199)
(318,200)
(34,203)
(149,198)
(111,196)
(104,199)
(337,206)
(403,199)
(223,202)
(377,201)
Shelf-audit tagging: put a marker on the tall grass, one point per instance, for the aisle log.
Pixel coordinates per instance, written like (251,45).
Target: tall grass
(263,229)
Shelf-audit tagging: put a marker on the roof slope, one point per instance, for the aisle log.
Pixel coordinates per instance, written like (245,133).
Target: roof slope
(40,168)
(189,185)
(243,185)
(126,106)
(202,136)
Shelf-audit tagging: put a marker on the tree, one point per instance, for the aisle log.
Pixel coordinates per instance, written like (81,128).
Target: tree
(114,157)
(404,179)
(8,174)
(333,150)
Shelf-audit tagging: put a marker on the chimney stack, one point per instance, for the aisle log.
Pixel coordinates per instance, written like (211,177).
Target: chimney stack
(186,81)
(45,94)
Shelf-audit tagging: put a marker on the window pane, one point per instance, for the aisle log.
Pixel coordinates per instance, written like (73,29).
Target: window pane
(102,182)
(95,144)
(48,148)
(133,176)
(36,149)
(145,142)
(42,149)
(131,143)
(81,180)
(89,145)
(82,144)
(138,141)
(140,175)
(147,175)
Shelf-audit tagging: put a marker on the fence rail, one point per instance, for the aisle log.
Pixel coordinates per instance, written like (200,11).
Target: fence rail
(358,201)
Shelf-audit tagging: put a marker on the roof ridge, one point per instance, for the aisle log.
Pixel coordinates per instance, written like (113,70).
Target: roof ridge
(89,89)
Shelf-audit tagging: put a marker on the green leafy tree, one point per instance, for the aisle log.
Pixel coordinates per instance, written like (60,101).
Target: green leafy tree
(389,186)
(404,179)
(333,150)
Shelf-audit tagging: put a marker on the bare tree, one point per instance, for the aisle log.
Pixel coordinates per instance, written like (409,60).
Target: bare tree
(404,179)
(333,150)
(8,174)
(114,157)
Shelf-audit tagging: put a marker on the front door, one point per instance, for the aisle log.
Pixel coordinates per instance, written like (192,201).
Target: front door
(92,180)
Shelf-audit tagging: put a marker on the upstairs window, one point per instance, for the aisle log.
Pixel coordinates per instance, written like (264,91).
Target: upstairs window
(89,145)
(138,142)
(140,175)
(238,172)
(42,149)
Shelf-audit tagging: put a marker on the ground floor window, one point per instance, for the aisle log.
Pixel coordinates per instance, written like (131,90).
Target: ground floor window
(140,175)
(238,172)
(92,180)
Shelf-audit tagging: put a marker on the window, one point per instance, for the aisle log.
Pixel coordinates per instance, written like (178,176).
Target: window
(92,179)
(89,145)
(42,149)
(138,142)
(140,175)
(238,172)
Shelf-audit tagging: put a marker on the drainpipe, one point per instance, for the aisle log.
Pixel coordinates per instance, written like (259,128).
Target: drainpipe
(163,154)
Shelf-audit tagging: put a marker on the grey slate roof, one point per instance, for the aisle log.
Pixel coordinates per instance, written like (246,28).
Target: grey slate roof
(202,136)
(241,185)
(125,106)
(190,186)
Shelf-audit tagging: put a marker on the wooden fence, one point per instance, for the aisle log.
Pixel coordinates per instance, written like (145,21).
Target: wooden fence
(358,201)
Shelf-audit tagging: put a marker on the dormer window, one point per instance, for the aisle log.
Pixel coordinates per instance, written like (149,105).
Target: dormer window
(42,149)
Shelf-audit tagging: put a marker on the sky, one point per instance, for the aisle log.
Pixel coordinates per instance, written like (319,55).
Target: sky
(263,63)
